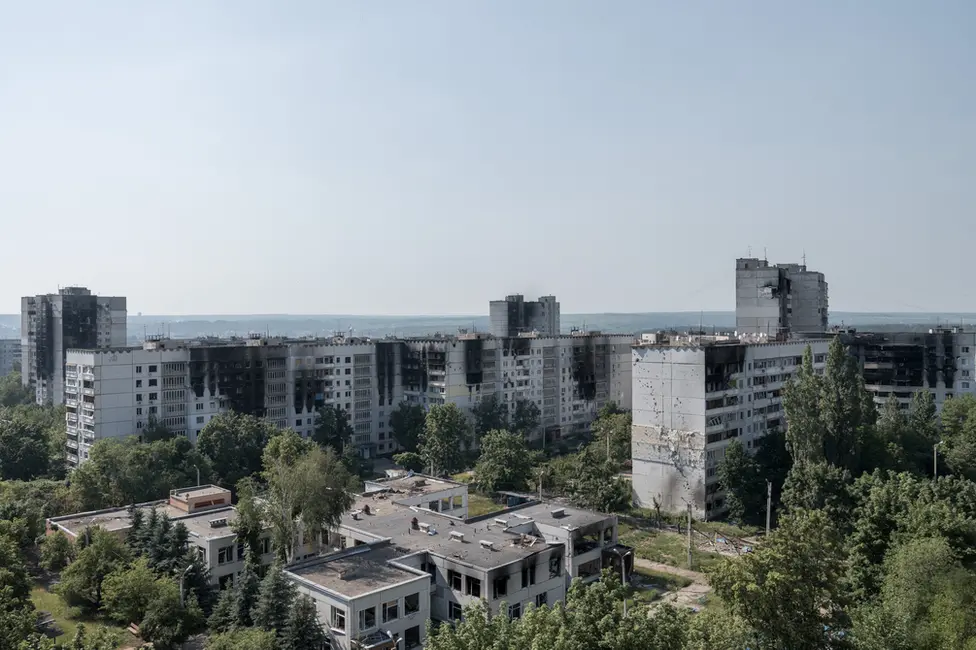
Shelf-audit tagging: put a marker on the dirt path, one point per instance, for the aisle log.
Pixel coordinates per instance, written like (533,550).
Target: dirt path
(684,597)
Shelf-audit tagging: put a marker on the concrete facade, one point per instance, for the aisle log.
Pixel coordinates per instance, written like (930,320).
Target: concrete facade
(776,300)
(10,355)
(52,324)
(514,316)
(183,384)
(690,401)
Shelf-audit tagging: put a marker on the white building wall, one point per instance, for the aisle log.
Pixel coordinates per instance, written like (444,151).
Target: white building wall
(9,354)
(682,425)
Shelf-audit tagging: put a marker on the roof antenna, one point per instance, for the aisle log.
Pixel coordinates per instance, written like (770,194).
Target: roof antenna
(804,259)
(765,258)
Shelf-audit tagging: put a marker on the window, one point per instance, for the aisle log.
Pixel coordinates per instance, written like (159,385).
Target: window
(454,579)
(152,368)
(138,369)
(153,396)
(515,611)
(338,618)
(965,384)
(474,587)
(139,397)
(225,554)
(138,425)
(138,383)
(200,406)
(199,419)
(298,422)
(153,382)
(153,410)
(500,587)
(411,603)
(542,599)
(240,550)
(367,618)
(348,359)
(528,576)
(139,411)
(348,371)
(454,611)
(265,546)
(391,611)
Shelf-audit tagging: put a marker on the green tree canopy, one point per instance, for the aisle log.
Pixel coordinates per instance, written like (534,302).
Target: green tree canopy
(305,482)
(490,414)
(958,448)
(81,581)
(614,429)
(409,460)
(234,443)
(303,632)
(332,428)
(128,591)
(275,601)
(244,639)
(407,422)
(504,464)
(597,485)
(32,440)
(745,488)
(446,432)
(525,417)
(12,393)
(57,551)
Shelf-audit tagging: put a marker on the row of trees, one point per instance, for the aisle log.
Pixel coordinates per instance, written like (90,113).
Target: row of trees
(870,551)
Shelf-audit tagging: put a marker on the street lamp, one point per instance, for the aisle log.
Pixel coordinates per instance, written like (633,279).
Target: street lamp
(182,589)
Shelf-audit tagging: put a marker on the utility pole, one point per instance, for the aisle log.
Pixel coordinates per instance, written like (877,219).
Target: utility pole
(689,537)
(769,504)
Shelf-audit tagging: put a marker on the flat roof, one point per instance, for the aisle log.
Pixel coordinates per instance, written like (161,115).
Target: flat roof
(542,513)
(413,484)
(508,547)
(111,519)
(356,573)
(198,491)
(198,524)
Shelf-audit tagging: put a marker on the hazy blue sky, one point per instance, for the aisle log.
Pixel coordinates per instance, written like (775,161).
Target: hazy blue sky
(425,157)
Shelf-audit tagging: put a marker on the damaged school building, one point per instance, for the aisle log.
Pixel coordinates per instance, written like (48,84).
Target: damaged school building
(404,554)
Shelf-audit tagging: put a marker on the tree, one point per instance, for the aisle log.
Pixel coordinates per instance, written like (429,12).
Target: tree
(275,601)
(168,622)
(246,592)
(924,601)
(445,433)
(128,592)
(830,417)
(12,393)
(155,430)
(223,618)
(247,639)
(790,589)
(15,582)
(128,471)
(819,486)
(596,484)
(234,443)
(745,488)
(489,414)
(306,484)
(407,422)
(959,436)
(24,451)
(57,551)
(526,418)
(409,460)
(922,432)
(81,581)
(249,523)
(505,462)
(332,428)
(303,631)
(612,432)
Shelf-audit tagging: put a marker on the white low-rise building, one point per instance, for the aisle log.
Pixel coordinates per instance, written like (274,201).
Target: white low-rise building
(690,402)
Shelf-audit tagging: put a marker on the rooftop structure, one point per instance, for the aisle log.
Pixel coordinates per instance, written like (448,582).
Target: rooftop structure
(356,571)
(514,316)
(779,299)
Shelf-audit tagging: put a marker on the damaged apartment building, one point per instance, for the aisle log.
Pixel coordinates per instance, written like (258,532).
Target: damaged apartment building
(690,401)
(182,384)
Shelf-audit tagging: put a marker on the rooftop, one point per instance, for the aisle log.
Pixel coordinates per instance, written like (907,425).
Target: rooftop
(111,519)
(198,491)
(199,525)
(357,572)
(412,484)
(543,513)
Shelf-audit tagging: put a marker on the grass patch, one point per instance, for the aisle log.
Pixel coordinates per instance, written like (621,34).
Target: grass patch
(479,504)
(726,529)
(463,477)
(68,618)
(662,580)
(666,548)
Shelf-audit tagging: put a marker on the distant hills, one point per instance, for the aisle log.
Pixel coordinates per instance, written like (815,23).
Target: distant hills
(378,326)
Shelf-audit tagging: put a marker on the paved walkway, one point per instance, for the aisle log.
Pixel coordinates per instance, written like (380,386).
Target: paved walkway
(686,596)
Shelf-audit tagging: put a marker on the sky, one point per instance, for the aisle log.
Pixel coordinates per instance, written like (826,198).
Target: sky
(425,157)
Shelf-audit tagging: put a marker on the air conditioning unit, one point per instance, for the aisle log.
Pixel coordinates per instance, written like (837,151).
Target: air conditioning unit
(486,544)
(218,523)
(503,522)
(558,512)
(424,526)
(456,536)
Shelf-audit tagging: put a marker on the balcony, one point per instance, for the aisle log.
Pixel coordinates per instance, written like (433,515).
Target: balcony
(72,444)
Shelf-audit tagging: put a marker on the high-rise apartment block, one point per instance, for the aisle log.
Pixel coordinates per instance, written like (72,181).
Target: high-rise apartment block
(690,402)
(514,316)
(182,384)
(52,324)
(779,299)
(9,355)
